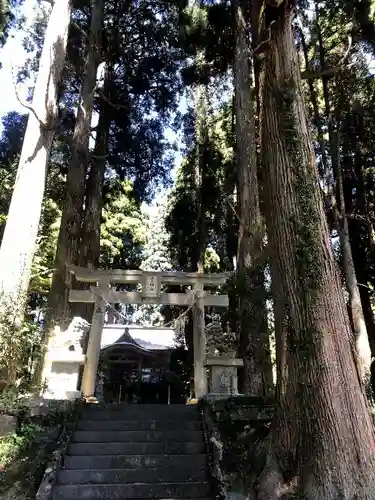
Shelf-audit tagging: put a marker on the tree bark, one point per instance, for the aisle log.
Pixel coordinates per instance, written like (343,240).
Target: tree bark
(89,250)
(199,338)
(333,454)
(19,238)
(70,229)
(198,317)
(363,355)
(253,331)
(361,234)
(280,321)
(358,320)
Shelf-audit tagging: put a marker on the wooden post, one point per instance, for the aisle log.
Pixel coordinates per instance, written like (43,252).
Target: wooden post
(199,343)
(93,349)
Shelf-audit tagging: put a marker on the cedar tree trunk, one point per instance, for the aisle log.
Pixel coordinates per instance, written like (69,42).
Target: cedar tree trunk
(332,456)
(253,331)
(20,234)
(71,220)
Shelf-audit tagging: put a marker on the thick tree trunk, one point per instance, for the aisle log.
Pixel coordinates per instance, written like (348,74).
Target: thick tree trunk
(89,254)
(280,322)
(199,337)
(58,311)
(89,250)
(70,229)
(19,239)
(333,455)
(198,317)
(253,331)
(362,344)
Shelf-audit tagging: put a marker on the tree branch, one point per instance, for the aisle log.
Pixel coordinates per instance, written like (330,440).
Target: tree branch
(99,157)
(264,45)
(27,106)
(80,30)
(30,108)
(108,101)
(329,71)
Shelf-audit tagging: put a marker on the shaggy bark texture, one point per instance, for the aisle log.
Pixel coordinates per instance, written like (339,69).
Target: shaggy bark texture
(323,438)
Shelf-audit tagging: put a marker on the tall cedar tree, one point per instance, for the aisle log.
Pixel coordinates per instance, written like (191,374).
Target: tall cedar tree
(324,432)
(253,334)
(70,228)
(22,225)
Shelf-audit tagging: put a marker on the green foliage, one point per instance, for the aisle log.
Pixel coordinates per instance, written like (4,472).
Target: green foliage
(25,454)
(18,348)
(44,257)
(216,194)
(155,257)
(123,230)
(12,401)
(156,253)
(6,18)
(10,147)
(207,30)
(11,446)
(142,41)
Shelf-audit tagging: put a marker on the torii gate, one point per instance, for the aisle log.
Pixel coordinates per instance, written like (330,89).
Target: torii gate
(101,293)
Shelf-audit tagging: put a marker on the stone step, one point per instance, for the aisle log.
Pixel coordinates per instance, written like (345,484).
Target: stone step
(136,448)
(138,425)
(124,415)
(123,476)
(153,408)
(131,491)
(137,436)
(138,462)
(132,412)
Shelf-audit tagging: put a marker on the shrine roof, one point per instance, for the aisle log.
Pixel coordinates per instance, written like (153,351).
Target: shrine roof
(143,338)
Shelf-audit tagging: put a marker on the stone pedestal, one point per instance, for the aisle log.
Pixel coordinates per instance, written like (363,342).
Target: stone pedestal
(223,376)
(63,360)
(62,381)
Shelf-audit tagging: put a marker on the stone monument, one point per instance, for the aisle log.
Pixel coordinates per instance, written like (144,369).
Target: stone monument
(223,375)
(63,360)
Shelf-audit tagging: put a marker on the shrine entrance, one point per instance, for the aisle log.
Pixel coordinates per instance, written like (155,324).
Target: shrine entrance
(135,370)
(104,290)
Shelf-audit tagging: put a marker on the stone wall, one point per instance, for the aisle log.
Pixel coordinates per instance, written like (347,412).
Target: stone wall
(8,424)
(237,426)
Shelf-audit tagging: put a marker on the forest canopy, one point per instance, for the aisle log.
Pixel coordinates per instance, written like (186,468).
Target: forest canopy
(208,136)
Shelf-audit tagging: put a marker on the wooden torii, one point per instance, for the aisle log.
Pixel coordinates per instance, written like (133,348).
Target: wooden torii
(102,291)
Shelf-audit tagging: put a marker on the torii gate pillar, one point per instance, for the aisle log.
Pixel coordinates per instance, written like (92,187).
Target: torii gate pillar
(199,343)
(93,350)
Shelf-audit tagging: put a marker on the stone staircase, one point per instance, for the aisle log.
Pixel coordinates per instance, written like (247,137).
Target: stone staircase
(123,452)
